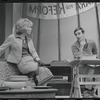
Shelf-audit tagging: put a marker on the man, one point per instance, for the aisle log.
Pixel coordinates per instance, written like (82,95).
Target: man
(84,49)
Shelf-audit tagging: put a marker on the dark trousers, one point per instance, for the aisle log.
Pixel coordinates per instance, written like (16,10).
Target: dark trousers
(32,76)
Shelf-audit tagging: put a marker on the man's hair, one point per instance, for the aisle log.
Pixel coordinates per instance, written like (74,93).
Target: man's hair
(79,28)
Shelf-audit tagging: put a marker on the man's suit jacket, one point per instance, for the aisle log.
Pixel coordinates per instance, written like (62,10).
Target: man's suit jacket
(15,48)
(88,49)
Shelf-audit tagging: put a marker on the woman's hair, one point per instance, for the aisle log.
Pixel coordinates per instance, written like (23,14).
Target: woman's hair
(79,28)
(22,24)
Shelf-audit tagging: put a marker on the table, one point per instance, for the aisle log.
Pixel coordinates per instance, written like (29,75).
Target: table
(28,93)
(76,64)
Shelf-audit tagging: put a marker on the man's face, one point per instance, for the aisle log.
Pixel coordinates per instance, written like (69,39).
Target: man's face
(79,35)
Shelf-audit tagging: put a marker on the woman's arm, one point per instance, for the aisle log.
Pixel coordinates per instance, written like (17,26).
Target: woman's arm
(5,45)
(34,53)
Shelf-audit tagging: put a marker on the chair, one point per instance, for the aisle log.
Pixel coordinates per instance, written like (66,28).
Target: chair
(7,70)
(83,81)
(80,79)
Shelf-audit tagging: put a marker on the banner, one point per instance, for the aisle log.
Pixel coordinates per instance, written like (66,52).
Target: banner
(56,10)
(85,6)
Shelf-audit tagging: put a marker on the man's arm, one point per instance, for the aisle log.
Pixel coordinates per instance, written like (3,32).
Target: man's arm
(76,52)
(94,49)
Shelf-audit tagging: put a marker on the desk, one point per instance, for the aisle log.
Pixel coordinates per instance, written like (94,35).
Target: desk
(32,93)
(63,76)
(76,85)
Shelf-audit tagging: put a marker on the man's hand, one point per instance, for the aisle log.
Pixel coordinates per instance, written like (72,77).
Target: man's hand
(40,63)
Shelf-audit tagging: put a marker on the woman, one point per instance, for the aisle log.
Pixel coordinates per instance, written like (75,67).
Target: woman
(22,51)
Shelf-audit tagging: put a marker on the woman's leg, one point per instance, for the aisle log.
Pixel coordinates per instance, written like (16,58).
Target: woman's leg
(32,77)
(28,67)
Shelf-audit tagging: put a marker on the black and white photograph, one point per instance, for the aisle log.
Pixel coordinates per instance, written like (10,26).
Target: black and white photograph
(49,50)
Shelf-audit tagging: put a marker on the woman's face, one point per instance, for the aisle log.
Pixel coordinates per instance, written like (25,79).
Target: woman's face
(28,30)
(24,26)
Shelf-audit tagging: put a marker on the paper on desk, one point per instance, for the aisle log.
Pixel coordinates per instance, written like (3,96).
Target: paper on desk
(88,57)
(92,57)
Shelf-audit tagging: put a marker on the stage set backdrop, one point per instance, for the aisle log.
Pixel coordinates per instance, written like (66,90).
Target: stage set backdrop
(54,25)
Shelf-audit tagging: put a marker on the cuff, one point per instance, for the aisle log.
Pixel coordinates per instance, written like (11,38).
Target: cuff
(36,59)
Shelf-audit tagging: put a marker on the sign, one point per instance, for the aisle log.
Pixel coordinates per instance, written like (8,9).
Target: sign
(56,10)
(85,6)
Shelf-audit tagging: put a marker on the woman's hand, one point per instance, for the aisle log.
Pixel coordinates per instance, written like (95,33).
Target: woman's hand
(40,63)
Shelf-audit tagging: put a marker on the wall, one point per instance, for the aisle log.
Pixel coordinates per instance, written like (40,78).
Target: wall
(2,24)
(8,21)
(99,27)
(49,34)
(49,40)
(68,25)
(34,34)
(13,11)
(12,14)
(17,11)
(48,49)
(89,23)
(49,30)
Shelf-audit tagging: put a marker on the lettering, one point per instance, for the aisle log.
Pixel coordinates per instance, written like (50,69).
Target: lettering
(61,9)
(41,9)
(83,5)
(31,9)
(55,9)
(52,10)
(44,10)
(69,6)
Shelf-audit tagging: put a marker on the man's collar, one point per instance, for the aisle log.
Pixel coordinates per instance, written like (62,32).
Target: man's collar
(78,43)
(85,40)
